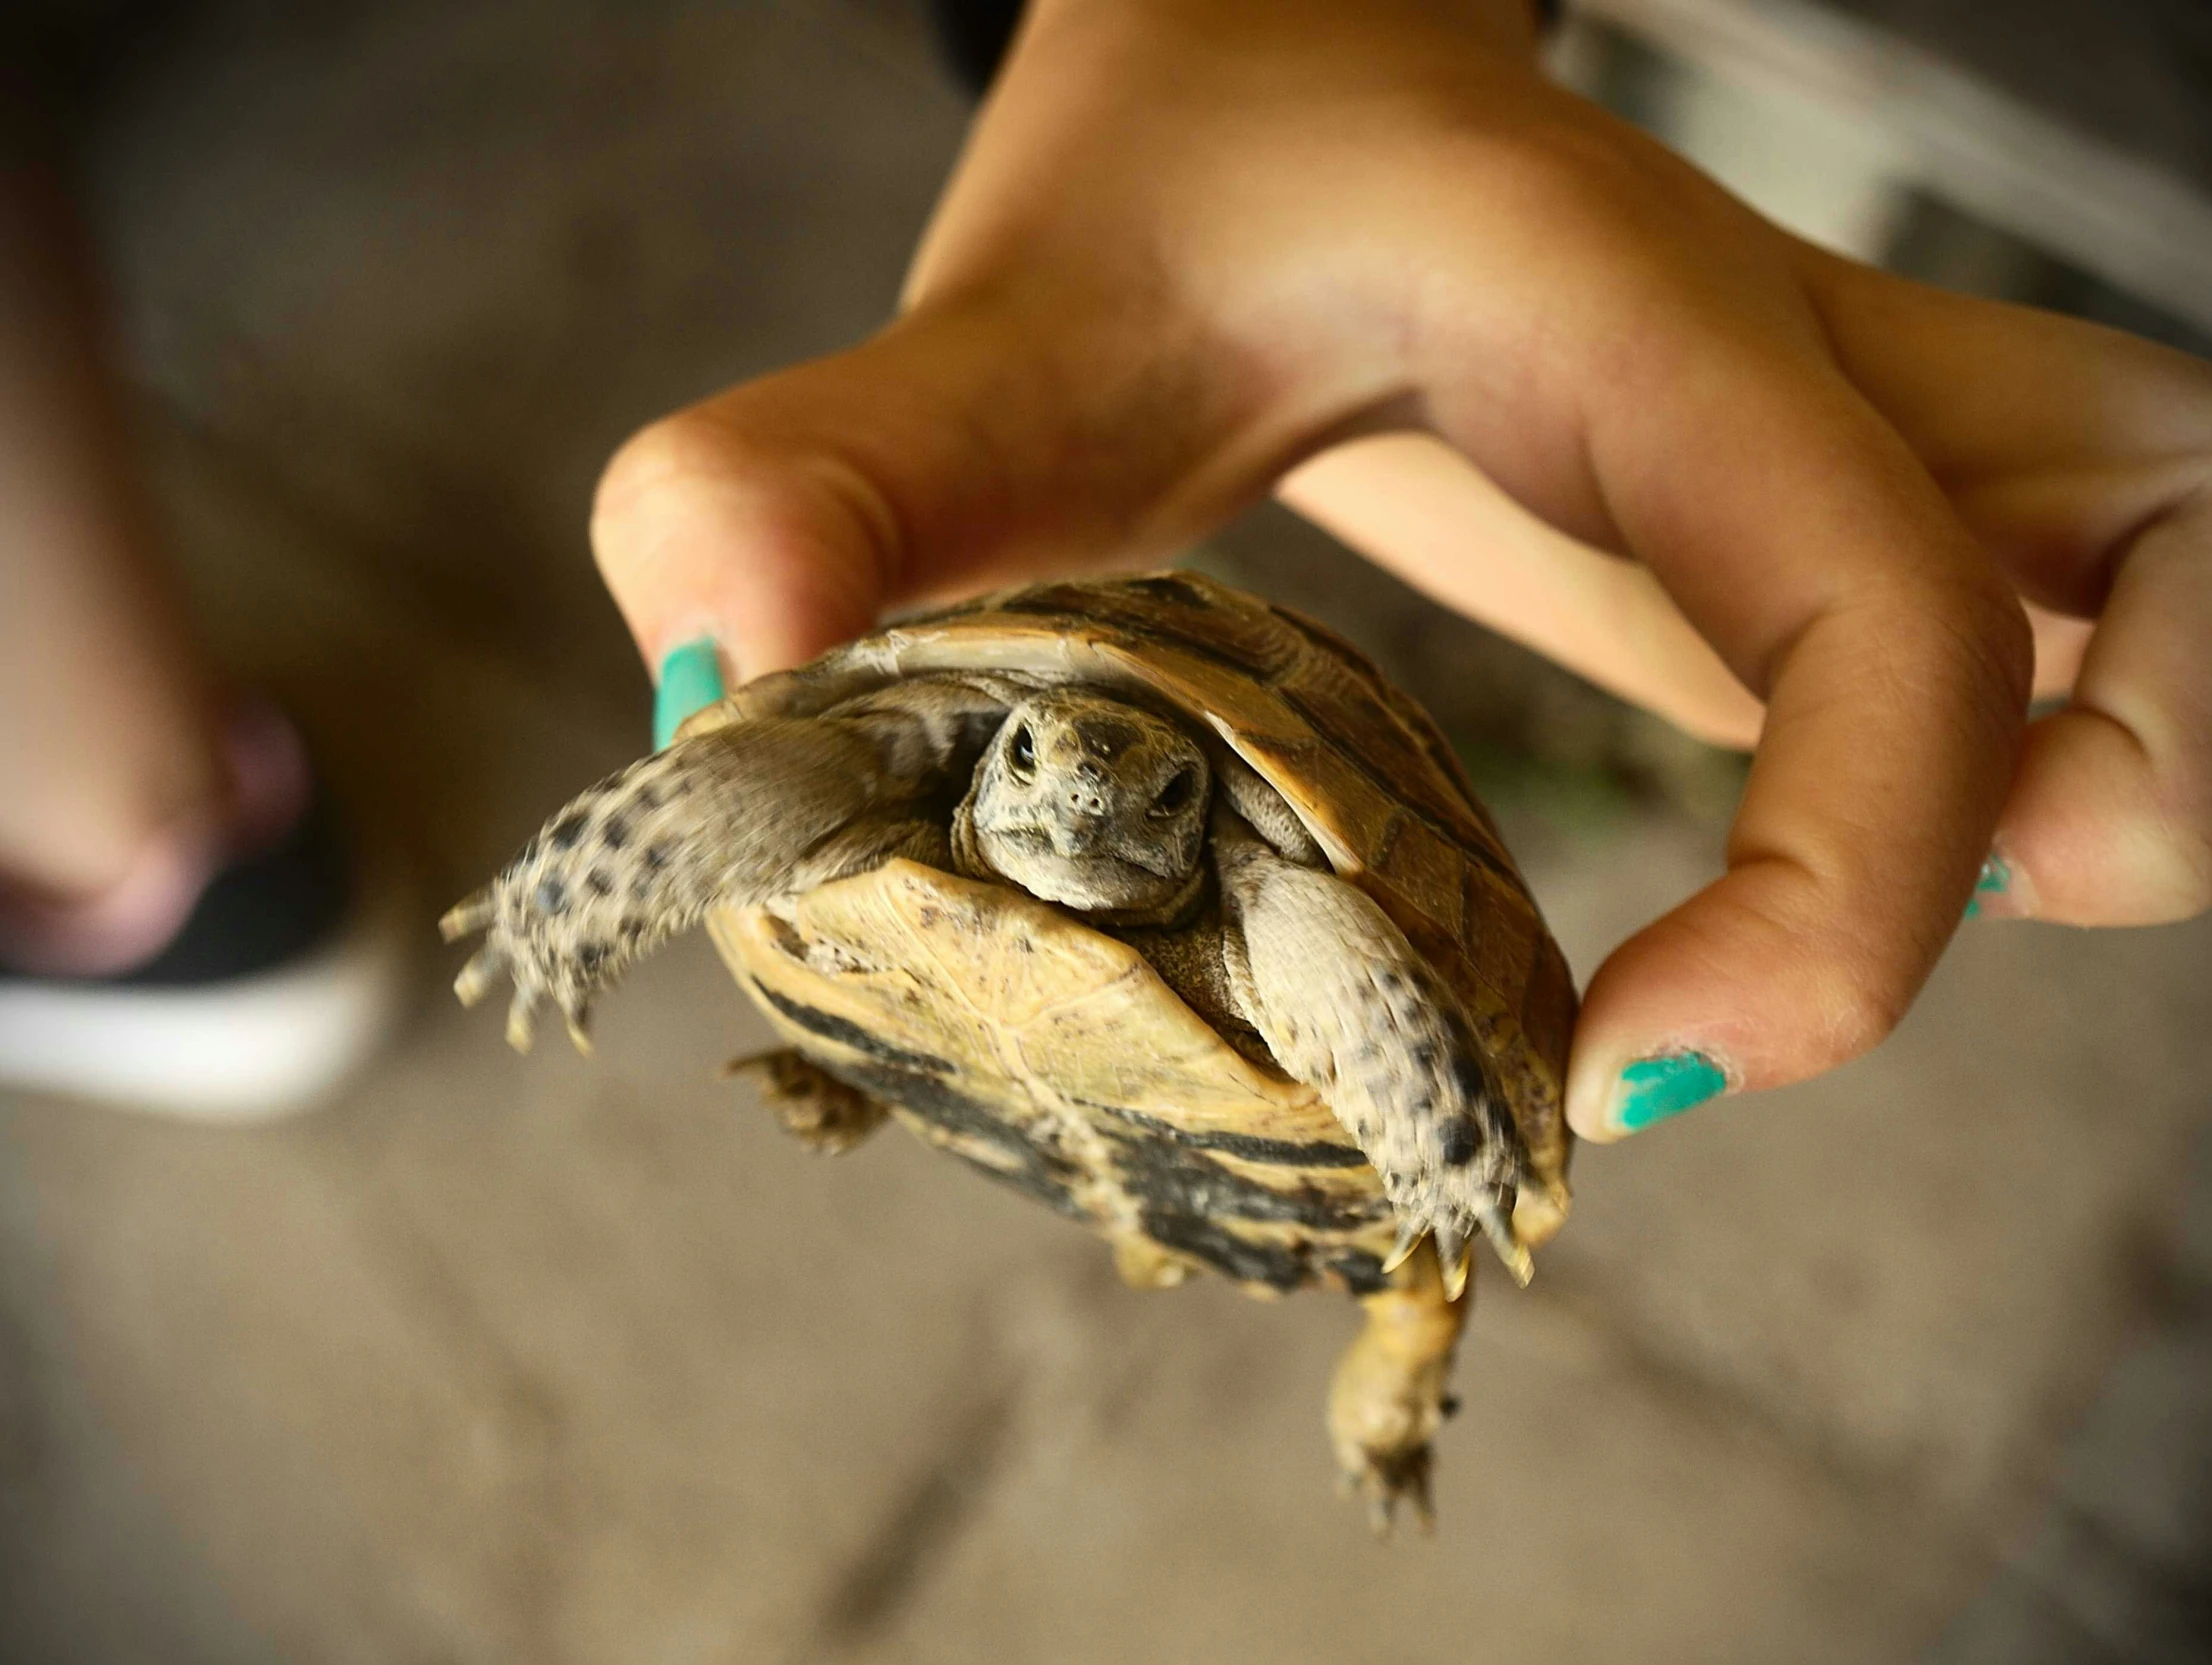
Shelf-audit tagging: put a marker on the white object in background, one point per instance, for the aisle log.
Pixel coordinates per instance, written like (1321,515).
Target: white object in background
(247,1050)
(1879,116)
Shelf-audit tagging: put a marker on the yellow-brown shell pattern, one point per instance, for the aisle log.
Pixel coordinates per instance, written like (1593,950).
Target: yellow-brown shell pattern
(1366,769)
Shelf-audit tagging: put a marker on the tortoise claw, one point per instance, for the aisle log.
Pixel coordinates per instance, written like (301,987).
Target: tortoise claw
(479,974)
(1415,1492)
(505,953)
(1410,1233)
(1497,1225)
(521,1020)
(1385,1484)
(469,915)
(1452,1258)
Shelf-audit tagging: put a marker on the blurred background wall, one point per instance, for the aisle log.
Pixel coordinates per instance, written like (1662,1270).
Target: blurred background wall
(504,1359)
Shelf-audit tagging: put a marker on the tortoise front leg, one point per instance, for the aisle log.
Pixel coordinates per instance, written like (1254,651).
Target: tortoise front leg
(1349,1007)
(734,816)
(1388,1396)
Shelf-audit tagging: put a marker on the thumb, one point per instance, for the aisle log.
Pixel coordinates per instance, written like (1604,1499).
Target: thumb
(961,448)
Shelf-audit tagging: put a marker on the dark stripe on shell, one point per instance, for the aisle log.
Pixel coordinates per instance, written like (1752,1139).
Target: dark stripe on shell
(1182,1197)
(1141,624)
(1047,1177)
(1229,1254)
(1402,793)
(1163,1175)
(1320,1153)
(1168,586)
(1362,1272)
(1409,711)
(831,1027)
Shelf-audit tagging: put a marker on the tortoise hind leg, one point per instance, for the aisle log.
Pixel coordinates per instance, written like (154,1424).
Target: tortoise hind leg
(815,1108)
(1388,1396)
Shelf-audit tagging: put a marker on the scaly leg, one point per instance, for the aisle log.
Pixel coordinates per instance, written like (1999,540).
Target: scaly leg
(815,1108)
(1388,1396)
(1348,1007)
(734,816)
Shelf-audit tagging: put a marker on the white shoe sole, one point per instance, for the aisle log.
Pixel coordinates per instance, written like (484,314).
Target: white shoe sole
(250,1050)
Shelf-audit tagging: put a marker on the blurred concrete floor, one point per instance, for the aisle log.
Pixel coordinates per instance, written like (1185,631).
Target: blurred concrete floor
(542,1360)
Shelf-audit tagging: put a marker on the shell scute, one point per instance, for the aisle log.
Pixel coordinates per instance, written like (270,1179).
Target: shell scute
(1178,1140)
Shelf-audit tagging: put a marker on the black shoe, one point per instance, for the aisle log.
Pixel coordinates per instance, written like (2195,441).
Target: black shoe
(284,977)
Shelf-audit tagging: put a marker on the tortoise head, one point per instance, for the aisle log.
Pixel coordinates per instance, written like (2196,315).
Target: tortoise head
(1092,803)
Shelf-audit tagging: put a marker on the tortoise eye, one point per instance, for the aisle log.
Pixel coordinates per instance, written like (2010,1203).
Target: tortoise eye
(1021,753)
(1175,797)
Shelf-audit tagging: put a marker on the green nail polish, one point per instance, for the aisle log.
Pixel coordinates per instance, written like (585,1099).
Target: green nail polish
(691,679)
(1652,1089)
(1994,879)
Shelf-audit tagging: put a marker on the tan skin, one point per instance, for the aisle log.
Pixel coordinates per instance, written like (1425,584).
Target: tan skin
(108,726)
(1196,244)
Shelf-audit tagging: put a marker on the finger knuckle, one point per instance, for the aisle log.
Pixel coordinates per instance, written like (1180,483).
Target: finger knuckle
(2169,874)
(661,463)
(1996,642)
(790,499)
(1958,637)
(1859,1012)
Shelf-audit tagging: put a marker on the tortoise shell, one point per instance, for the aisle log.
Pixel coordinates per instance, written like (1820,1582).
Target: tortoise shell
(1051,1054)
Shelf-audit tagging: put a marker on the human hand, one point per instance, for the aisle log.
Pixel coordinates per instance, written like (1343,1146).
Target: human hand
(1194,244)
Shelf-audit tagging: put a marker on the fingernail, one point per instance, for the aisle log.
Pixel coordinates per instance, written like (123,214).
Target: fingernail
(1994,880)
(1652,1089)
(691,679)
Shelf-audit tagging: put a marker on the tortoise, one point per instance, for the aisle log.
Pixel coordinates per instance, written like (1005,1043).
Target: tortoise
(1142,895)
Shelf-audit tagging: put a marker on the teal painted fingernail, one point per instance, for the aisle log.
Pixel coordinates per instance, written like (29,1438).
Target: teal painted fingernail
(691,679)
(1994,880)
(1652,1089)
